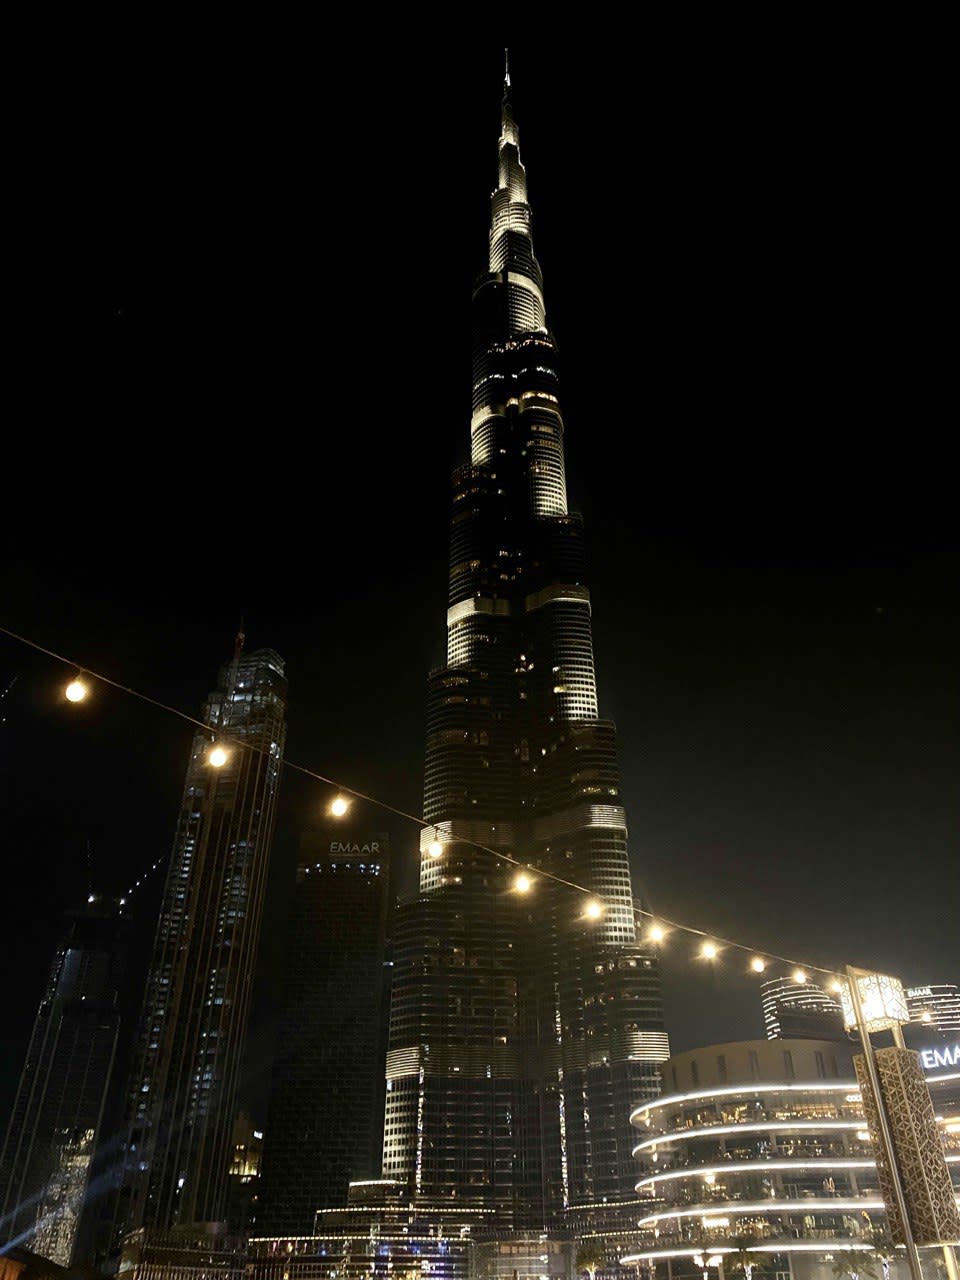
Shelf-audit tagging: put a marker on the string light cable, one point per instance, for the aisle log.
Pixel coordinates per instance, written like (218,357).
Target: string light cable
(711,943)
(222,739)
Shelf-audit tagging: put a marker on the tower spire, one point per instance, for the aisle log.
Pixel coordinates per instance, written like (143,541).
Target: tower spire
(506,75)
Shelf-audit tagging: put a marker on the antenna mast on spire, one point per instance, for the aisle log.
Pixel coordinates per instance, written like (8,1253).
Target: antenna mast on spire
(506,70)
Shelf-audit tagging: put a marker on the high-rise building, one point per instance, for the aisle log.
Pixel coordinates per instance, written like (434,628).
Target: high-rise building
(325,1122)
(792,1009)
(57,1116)
(936,1006)
(523,1028)
(243,1182)
(186,1067)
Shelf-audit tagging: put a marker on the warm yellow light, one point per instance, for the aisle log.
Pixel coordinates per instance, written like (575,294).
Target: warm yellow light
(522,882)
(836,986)
(656,933)
(217,757)
(339,806)
(758,964)
(926,1016)
(709,1179)
(799,977)
(76,690)
(435,849)
(594,909)
(709,950)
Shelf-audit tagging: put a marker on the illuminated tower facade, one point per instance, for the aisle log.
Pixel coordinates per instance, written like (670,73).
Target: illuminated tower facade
(788,1005)
(936,1006)
(186,1069)
(522,1032)
(47,1157)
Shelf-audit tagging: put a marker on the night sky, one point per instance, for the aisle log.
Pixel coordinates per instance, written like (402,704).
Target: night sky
(243,346)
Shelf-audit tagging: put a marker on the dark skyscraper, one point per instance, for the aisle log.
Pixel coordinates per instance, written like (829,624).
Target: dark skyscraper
(522,1029)
(325,1120)
(186,1067)
(47,1157)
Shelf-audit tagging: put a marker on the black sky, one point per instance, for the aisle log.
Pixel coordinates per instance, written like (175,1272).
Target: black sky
(242,355)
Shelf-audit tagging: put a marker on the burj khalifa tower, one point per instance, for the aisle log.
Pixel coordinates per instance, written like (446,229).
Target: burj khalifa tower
(526,1017)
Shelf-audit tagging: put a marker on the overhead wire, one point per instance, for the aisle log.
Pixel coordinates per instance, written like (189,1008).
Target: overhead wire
(222,737)
(655,918)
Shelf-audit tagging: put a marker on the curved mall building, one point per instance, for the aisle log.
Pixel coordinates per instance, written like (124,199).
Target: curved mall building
(762,1146)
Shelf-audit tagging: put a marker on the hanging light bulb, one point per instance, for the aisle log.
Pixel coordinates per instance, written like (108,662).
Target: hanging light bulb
(522,882)
(339,806)
(836,986)
(799,977)
(593,909)
(709,950)
(656,933)
(435,849)
(217,756)
(758,964)
(76,690)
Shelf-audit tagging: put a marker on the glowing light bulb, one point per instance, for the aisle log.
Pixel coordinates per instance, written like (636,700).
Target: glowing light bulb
(594,909)
(709,950)
(926,1016)
(836,986)
(522,882)
(656,933)
(218,757)
(339,806)
(758,964)
(435,849)
(799,976)
(76,690)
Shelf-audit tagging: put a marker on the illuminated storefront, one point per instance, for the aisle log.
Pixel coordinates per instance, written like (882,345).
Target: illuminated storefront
(760,1151)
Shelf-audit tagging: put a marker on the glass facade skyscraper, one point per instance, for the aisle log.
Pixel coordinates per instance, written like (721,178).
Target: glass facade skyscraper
(522,1031)
(187,1062)
(47,1158)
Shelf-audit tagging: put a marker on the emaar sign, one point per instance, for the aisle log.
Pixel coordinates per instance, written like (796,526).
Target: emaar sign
(346,846)
(948,1056)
